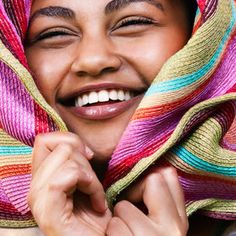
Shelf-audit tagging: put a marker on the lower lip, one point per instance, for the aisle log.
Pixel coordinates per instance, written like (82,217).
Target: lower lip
(108,111)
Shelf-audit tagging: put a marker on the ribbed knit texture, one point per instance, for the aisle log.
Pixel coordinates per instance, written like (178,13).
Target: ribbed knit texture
(186,119)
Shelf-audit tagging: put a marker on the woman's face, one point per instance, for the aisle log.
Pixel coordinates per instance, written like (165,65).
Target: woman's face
(94,59)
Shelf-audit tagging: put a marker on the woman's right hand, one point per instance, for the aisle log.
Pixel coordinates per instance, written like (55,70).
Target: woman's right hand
(61,171)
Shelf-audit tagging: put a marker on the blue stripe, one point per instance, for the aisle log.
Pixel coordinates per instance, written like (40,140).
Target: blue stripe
(197,163)
(11,151)
(178,83)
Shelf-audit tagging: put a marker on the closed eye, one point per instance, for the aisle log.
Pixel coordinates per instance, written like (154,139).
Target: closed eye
(51,35)
(132,21)
(53,38)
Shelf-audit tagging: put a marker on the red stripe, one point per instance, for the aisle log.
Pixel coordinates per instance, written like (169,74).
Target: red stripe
(162,109)
(13,170)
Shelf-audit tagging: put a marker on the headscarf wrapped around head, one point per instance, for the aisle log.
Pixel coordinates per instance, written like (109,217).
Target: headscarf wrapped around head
(186,118)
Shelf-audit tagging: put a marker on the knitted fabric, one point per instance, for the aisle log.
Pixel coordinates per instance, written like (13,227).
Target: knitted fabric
(186,119)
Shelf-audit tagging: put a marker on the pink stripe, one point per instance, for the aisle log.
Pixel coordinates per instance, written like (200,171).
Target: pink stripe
(14,42)
(16,189)
(198,189)
(16,107)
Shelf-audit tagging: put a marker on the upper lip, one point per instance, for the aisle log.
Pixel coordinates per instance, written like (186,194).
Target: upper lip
(98,87)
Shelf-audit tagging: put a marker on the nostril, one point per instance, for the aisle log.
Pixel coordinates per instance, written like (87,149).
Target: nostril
(108,69)
(82,73)
(97,73)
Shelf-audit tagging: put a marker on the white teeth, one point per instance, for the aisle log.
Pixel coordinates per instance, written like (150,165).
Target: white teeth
(127,96)
(113,95)
(121,95)
(103,96)
(93,97)
(80,101)
(85,99)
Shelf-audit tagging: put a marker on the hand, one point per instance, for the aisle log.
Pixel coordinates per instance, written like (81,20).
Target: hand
(163,197)
(66,197)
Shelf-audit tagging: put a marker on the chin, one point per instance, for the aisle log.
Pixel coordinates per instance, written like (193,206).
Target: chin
(103,154)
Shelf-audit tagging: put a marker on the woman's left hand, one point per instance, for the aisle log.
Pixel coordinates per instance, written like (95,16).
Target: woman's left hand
(163,197)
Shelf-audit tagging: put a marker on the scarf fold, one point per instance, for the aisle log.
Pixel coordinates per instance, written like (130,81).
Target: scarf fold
(186,119)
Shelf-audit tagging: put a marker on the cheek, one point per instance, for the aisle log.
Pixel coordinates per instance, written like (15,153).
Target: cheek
(152,51)
(48,70)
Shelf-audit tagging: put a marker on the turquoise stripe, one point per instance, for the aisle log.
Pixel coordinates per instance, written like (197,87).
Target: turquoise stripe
(186,80)
(197,163)
(11,151)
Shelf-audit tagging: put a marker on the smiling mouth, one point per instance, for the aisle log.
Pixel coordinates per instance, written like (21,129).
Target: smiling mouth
(103,103)
(101,97)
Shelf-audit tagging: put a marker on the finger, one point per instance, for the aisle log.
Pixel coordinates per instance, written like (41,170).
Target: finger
(136,221)
(95,191)
(176,191)
(117,227)
(59,186)
(134,193)
(46,143)
(50,164)
(57,194)
(158,200)
(61,154)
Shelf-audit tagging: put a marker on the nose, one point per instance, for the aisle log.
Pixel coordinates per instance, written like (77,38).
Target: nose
(95,56)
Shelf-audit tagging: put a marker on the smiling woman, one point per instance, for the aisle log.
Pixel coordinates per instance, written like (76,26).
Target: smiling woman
(98,83)
(128,84)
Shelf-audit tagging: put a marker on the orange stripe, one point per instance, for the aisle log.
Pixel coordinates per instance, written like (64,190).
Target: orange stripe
(162,109)
(13,170)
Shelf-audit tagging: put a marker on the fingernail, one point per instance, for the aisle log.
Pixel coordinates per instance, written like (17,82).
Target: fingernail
(89,152)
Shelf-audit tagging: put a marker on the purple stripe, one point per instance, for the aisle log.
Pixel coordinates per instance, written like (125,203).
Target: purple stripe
(15,37)
(16,188)
(203,189)
(156,127)
(3,196)
(16,107)
(15,216)
(209,9)
(222,79)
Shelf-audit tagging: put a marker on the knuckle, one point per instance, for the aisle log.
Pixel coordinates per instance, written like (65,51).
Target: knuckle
(170,170)
(122,206)
(54,186)
(40,139)
(155,177)
(46,225)
(73,138)
(66,148)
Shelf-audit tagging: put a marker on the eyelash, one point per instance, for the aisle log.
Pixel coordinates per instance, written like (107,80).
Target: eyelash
(123,23)
(52,34)
(135,21)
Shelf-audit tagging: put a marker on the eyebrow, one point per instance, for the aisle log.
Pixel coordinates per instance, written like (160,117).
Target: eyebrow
(66,13)
(54,11)
(116,5)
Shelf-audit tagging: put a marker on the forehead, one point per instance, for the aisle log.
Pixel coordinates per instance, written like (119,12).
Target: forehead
(95,4)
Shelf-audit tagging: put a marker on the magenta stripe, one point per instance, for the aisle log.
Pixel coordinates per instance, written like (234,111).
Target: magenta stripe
(3,196)
(16,188)
(204,189)
(16,107)
(220,82)
(209,9)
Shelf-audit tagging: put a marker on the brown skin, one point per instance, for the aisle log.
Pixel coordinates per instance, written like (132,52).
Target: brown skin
(95,48)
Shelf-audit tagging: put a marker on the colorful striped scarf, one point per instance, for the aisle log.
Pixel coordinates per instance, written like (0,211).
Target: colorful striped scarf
(186,119)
